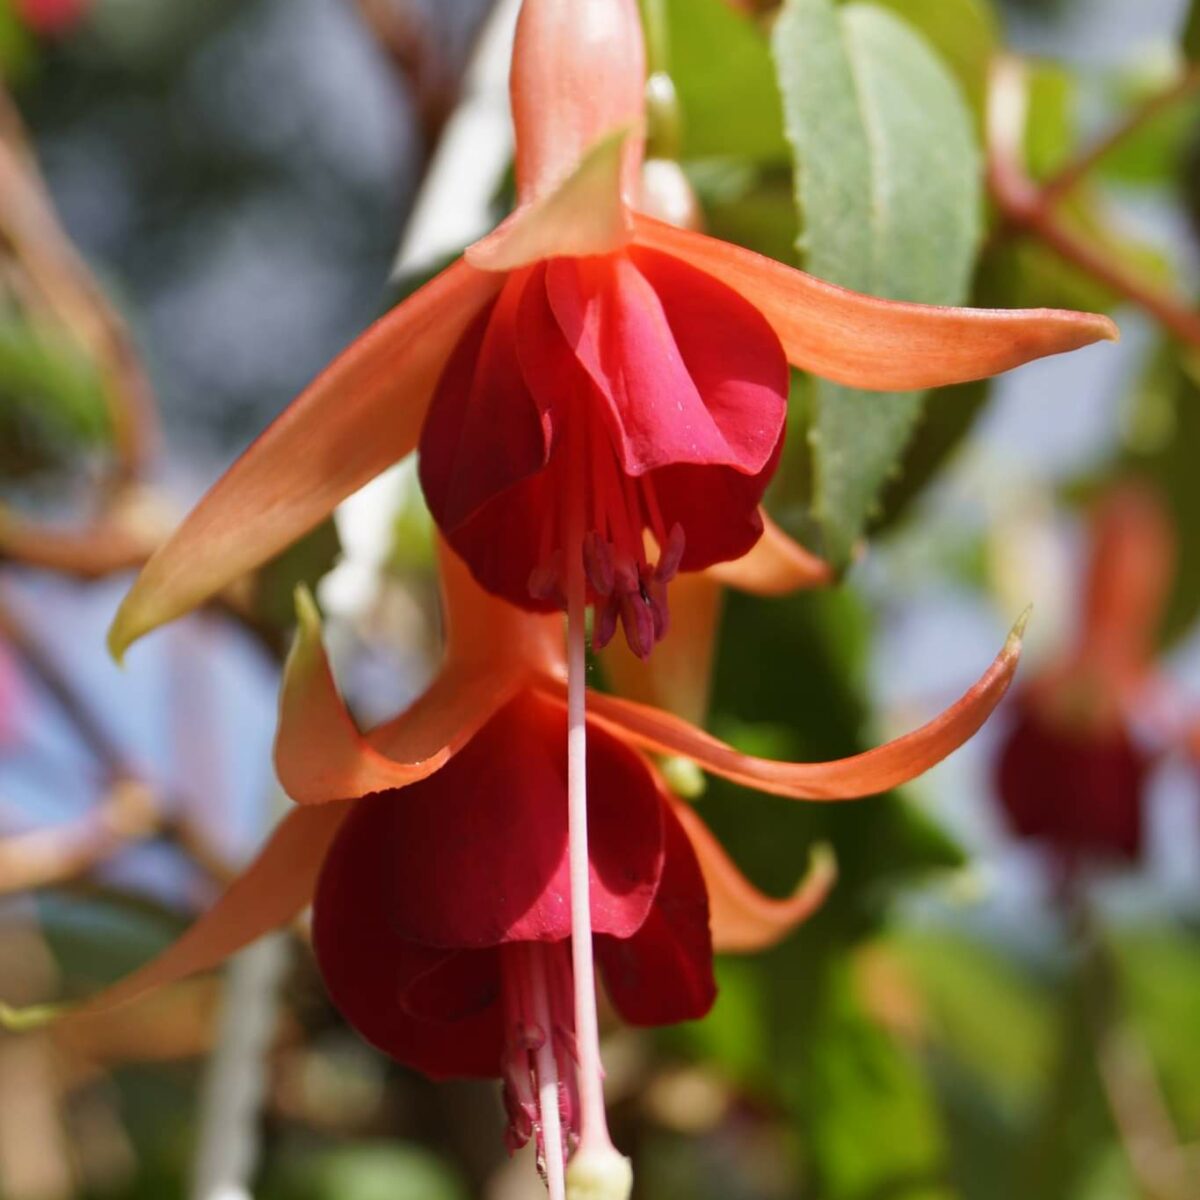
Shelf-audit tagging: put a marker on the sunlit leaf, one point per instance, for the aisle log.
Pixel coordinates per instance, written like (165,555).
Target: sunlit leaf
(965,33)
(888,189)
(721,65)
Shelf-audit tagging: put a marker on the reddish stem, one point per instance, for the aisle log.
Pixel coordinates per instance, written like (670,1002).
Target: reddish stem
(1024,206)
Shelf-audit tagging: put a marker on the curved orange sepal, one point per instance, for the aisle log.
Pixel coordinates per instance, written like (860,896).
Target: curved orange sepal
(865,774)
(491,649)
(743,919)
(276,887)
(866,342)
(360,415)
(776,566)
(1132,564)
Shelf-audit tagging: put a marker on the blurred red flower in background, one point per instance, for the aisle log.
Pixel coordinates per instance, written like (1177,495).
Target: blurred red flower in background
(1090,726)
(52,17)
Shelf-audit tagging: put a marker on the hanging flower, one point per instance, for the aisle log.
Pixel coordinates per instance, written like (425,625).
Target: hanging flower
(580,345)
(434,850)
(1089,728)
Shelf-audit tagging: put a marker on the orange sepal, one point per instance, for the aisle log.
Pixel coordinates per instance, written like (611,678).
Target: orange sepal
(866,774)
(276,887)
(491,648)
(776,566)
(743,919)
(866,342)
(360,415)
(1132,563)
(585,215)
(320,756)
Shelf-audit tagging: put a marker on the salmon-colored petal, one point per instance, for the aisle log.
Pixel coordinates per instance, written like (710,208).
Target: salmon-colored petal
(678,675)
(485,635)
(585,215)
(775,567)
(359,416)
(865,774)
(866,342)
(1133,553)
(320,756)
(745,920)
(272,891)
(578,71)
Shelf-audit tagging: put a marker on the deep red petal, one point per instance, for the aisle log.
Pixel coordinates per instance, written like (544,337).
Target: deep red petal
(476,854)
(369,970)
(717,509)
(664,973)
(1078,792)
(483,432)
(690,372)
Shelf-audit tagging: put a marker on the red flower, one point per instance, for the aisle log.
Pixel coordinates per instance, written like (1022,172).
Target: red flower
(442,914)
(52,17)
(1089,728)
(585,375)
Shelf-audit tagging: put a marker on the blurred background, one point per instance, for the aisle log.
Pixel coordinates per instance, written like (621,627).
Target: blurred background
(201,204)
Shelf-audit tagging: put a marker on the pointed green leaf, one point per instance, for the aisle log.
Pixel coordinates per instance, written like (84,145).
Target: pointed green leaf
(888,187)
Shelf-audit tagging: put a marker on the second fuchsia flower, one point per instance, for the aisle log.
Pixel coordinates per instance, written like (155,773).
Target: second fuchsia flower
(584,346)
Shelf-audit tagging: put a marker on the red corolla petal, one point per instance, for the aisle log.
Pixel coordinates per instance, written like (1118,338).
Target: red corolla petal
(362,413)
(745,920)
(664,972)
(866,342)
(864,774)
(369,971)
(476,854)
(483,432)
(272,891)
(717,507)
(690,371)
(775,566)
(1079,792)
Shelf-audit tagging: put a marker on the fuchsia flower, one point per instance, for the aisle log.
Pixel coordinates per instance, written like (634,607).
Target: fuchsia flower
(52,17)
(434,852)
(581,345)
(599,400)
(1090,727)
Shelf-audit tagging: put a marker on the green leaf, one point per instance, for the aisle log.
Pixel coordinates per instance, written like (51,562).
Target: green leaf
(721,65)
(889,192)
(1191,33)
(367,1171)
(966,33)
(867,1114)
(1161,447)
(950,415)
(52,406)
